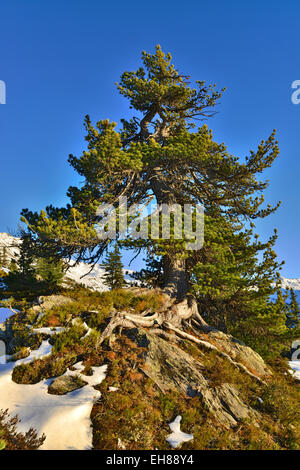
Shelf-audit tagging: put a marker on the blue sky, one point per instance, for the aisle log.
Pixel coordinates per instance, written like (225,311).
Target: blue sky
(61,59)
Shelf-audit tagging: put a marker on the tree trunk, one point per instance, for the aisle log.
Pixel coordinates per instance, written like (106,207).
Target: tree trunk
(175,277)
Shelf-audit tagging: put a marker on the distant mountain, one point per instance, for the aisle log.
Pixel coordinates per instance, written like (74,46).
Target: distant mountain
(291,283)
(11,245)
(93,280)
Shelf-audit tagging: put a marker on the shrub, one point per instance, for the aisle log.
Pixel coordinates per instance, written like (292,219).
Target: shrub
(66,339)
(35,371)
(11,439)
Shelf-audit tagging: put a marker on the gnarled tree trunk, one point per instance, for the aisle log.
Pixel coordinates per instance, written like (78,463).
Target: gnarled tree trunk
(175,277)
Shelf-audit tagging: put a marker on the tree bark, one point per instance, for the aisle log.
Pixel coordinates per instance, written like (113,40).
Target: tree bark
(175,277)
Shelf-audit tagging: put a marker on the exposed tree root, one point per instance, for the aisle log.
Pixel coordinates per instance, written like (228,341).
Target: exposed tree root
(168,336)
(211,347)
(175,317)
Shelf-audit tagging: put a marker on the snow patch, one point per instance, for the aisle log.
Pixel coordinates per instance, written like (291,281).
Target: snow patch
(5,313)
(295,366)
(48,330)
(93,280)
(65,419)
(88,330)
(177,436)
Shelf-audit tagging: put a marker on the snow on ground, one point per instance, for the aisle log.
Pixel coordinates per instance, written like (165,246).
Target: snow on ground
(177,436)
(88,330)
(65,419)
(49,331)
(5,313)
(295,366)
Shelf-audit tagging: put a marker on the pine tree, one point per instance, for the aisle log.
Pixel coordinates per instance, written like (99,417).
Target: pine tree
(293,314)
(114,277)
(50,271)
(234,273)
(22,269)
(162,156)
(26,258)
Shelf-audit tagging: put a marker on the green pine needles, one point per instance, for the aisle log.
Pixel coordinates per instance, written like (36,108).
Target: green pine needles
(113,267)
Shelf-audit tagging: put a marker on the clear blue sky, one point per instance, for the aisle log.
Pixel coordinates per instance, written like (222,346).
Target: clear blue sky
(60,60)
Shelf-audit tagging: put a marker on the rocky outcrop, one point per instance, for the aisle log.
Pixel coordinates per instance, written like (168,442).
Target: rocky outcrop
(171,368)
(49,301)
(45,303)
(239,352)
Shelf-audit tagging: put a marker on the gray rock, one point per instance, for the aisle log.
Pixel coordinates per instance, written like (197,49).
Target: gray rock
(171,368)
(45,303)
(65,384)
(240,352)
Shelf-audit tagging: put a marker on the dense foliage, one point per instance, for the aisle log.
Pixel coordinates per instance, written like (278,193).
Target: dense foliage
(113,267)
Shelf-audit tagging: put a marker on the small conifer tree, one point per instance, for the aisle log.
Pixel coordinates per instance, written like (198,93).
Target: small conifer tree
(27,256)
(113,266)
(293,315)
(51,272)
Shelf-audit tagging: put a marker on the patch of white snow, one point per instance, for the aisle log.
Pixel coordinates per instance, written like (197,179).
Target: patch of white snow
(177,436)
(295,366)
(49,330)
(5,313)
(65,419)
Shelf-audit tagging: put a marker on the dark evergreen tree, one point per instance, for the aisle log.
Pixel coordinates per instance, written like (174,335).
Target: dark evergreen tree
(158,156)
(26,258)
(13,267)
(36,268)
(50,271)
(293,314)
(114,277)
(22,269)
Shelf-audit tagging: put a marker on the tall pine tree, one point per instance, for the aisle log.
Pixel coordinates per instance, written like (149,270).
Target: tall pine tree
(160,155)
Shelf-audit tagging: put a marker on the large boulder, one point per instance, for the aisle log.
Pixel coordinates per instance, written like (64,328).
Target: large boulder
(171,368)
